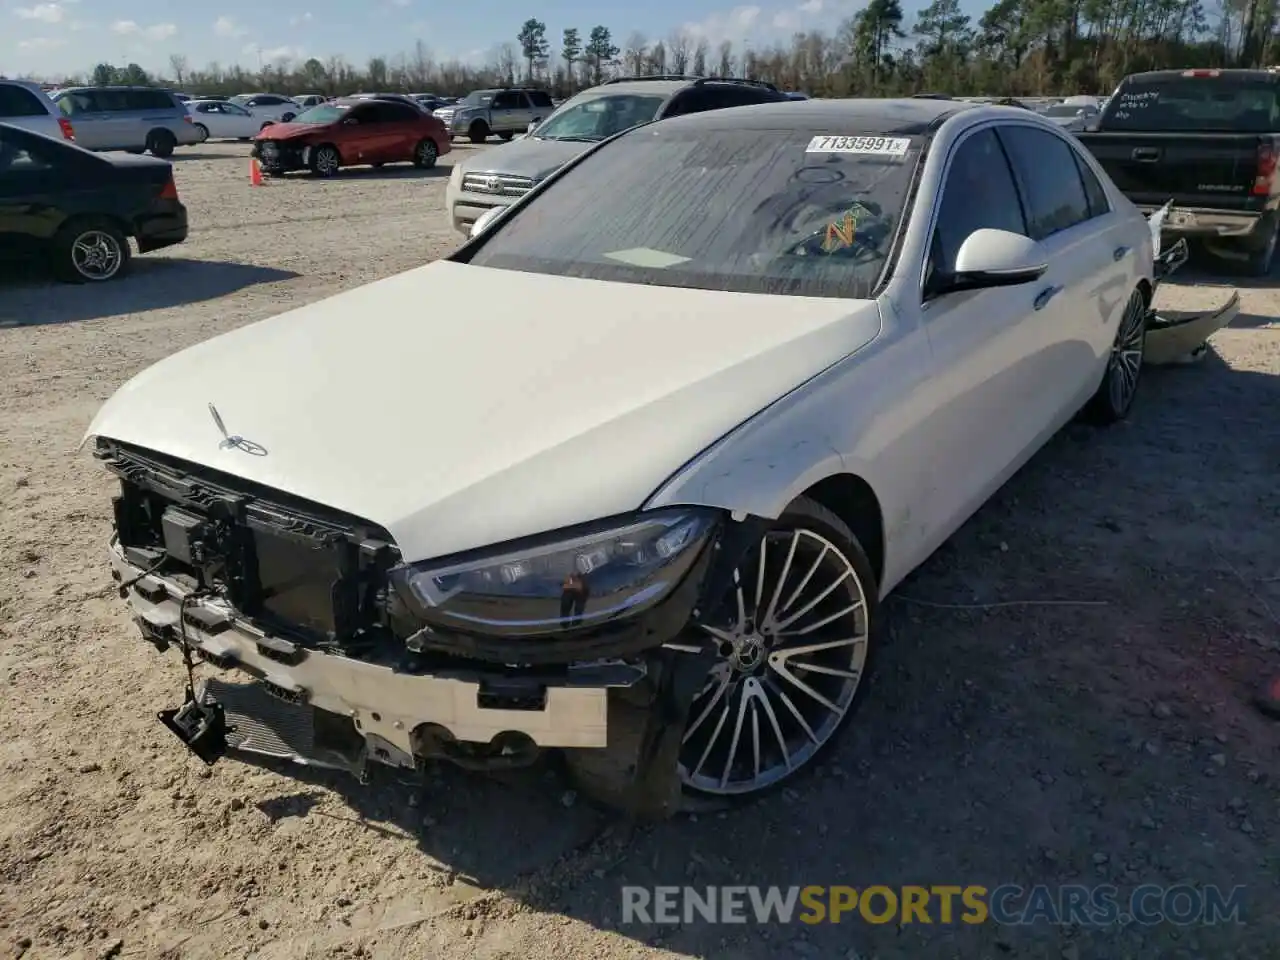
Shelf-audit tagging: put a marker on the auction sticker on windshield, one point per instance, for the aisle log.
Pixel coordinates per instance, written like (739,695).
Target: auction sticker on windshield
(873,146)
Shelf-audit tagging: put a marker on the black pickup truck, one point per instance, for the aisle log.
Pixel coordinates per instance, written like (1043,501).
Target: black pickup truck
(1208,140)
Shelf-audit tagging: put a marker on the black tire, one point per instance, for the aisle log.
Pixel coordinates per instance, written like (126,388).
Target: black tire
(425,154)
(1262,257)
(507,134)
(106,240)
(161,143)
(325,160)
(1119,388)
(479,132)
(605,774)
(203,131)
(287,118)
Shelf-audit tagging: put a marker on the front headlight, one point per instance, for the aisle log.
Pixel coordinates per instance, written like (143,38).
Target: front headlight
(579,579)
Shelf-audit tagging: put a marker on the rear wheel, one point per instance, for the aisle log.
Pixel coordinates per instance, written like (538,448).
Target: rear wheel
(202,132)
(161,143)
(287,118)
(425,154)
(325,160)
(1262,257)
(1119,387)
(91,251)
(792,662)
(478,132)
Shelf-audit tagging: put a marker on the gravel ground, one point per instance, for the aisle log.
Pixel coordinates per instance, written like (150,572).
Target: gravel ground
(1001,744)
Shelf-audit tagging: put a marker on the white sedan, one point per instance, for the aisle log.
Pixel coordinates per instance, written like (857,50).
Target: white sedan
(268,107)
(735,376)
(222,120)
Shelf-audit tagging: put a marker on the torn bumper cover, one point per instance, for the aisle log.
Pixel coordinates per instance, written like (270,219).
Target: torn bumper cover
(1175,337)
(276,698)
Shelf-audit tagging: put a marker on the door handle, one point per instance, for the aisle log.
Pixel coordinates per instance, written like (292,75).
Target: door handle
(1044,296)
(1146,154)
(1119,253)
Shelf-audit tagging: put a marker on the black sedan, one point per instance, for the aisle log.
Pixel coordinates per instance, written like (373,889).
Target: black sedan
(77,209)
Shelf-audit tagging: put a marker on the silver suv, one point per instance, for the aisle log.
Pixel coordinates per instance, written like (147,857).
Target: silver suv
(127,118)
(506,112)
(25,105)
(499,177)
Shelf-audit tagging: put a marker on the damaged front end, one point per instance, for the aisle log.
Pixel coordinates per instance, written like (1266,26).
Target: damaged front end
(331,651)
(1179,337)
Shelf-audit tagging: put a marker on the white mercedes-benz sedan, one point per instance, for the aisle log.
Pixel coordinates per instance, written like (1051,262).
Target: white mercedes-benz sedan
(630,473)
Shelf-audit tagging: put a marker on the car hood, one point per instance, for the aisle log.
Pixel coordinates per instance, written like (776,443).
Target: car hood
(287,131)
(528,157)
(561,400)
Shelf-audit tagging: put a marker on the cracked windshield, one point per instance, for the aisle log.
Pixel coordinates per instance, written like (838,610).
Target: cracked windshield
(800,213)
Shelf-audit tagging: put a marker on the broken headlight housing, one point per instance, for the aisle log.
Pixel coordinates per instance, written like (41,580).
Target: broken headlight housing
(577,579)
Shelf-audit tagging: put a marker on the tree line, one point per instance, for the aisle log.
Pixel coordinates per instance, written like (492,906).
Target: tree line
(1017,47)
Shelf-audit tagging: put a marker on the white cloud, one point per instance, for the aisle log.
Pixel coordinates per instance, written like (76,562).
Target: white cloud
(227,27)
(41,43)
(272,54)
(44,12)
(735,26)
(131,28)
(299,21)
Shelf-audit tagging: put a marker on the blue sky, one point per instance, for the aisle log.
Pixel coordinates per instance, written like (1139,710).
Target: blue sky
(53,37)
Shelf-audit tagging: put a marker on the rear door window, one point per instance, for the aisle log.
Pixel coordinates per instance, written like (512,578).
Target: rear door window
(1045,167)
(113,101)
(148,100)
(20,102)
(1225,104)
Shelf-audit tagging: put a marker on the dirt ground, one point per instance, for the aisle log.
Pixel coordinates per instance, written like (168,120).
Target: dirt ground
(1028,743)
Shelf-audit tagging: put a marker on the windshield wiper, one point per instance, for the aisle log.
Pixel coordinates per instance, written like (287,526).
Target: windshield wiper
(572,139)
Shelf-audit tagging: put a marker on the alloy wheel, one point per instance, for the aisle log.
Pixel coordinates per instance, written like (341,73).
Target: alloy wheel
(96,255)
(327,161)
(426,153)
(789,666)
(1125,364)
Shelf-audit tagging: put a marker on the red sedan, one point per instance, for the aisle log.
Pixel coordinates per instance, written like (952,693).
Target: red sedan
(349,132)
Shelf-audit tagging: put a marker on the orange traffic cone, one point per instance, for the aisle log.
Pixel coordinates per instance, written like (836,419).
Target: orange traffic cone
(255,172)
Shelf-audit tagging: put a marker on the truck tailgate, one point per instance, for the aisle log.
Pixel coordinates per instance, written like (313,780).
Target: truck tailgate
(1213,170)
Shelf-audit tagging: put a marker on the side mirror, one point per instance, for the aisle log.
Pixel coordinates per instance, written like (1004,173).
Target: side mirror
(994,258)
(483,221)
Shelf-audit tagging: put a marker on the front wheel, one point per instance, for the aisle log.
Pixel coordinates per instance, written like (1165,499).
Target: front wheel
(479,132)
(325,161)
(792,660)
(287,118)
(507,134)
(90,251)
(425,154)
(1119,387)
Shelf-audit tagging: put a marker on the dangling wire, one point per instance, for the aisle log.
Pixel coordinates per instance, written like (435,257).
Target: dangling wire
(187,660)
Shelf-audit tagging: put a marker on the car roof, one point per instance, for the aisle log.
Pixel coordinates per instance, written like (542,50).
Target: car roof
(1220,72)
(906,117)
